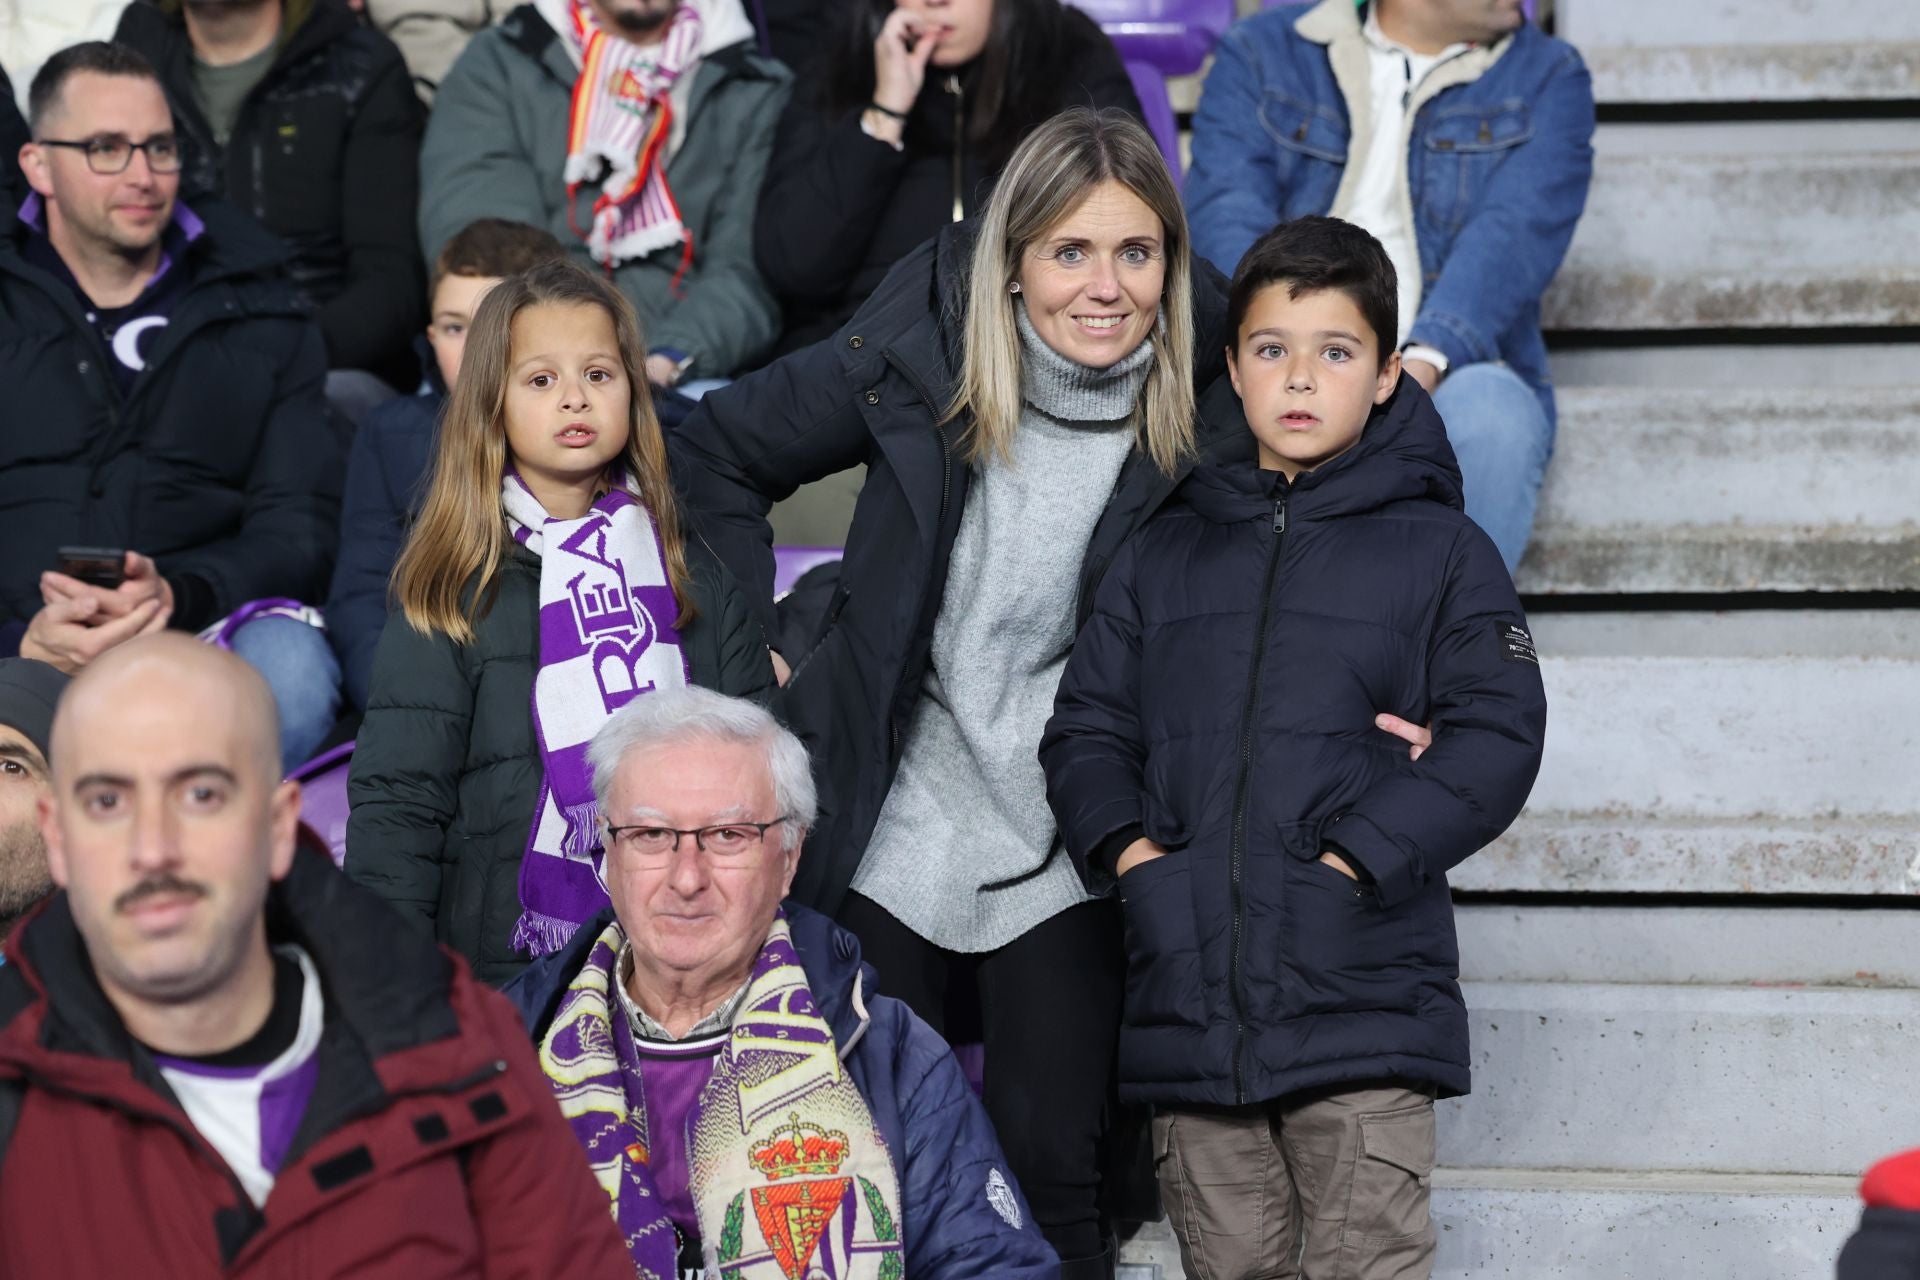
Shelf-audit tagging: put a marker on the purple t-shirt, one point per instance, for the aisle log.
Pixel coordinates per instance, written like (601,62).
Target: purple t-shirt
(672,1076)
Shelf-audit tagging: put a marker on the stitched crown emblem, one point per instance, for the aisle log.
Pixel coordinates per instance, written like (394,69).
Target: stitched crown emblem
(799,1148)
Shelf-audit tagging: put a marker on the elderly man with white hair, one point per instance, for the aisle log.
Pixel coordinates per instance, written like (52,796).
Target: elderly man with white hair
(750,1106)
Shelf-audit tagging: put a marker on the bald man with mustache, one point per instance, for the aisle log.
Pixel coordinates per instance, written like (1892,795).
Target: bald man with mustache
(218,1057)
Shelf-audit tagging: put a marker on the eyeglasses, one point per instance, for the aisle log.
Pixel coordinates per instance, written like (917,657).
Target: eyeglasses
(722,842)
(112,154)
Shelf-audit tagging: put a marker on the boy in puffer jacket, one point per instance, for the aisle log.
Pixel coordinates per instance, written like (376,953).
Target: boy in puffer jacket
(1292,1004)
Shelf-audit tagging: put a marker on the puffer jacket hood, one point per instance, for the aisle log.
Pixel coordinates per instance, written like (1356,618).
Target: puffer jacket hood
(1402,456)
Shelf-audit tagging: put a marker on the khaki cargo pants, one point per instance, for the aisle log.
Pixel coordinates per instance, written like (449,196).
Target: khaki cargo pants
(1328,1186)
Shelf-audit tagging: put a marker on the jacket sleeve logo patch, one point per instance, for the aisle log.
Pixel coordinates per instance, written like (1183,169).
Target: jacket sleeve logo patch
(1001,1197)
(1515,644)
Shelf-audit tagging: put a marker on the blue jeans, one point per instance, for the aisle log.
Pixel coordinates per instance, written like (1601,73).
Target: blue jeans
(304,676)
(1501,434)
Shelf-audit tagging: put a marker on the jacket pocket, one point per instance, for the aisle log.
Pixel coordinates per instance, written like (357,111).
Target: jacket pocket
(1343,951)
(1163,957)
(836,604)
(1460,151)
(1300,129)
(1387,1212)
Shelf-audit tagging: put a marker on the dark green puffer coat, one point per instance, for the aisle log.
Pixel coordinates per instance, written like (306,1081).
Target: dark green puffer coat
(447,772)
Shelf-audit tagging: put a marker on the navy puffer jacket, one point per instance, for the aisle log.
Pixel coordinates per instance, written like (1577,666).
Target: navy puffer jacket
(1221,701)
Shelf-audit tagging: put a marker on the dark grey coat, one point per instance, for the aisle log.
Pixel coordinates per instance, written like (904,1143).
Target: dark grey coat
(447,771)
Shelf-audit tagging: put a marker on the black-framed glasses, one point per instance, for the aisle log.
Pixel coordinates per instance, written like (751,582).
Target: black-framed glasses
(723,840)
(111,154)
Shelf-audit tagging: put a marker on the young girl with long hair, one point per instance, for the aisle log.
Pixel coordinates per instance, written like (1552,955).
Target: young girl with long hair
(546,583)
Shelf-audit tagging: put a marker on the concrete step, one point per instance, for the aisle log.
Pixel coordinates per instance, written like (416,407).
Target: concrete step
(1648,1078)
(1534,1225)
(1597,24)
(1720,490)
(1888,71)
(1727,51)
(1623,853)
(1740,752)
(1737,367)
(1738,946)
(1809,227)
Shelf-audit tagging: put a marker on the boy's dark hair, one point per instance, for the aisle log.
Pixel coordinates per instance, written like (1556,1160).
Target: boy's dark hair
(1314,254)
(101,57)
(495,248)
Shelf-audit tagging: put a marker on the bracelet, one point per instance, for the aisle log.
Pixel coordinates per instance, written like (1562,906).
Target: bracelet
(889,112)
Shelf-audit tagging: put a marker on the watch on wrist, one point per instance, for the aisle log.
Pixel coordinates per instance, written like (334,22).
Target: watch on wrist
(680,360)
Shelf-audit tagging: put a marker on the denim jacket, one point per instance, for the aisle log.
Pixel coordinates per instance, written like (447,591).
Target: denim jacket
(1497,169)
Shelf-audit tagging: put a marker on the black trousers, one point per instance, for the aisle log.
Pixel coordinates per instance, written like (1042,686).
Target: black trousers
(1047,1008)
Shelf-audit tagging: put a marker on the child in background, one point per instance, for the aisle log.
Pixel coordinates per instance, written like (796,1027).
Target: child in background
(547,569)
(389,459)
(1292,1008)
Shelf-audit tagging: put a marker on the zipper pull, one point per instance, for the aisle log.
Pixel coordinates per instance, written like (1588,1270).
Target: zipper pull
(1280,515)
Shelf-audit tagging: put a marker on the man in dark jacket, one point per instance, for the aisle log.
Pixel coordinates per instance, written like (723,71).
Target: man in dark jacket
(724,1051)
(220,1058)
(300,114)
(173,379)
(13,136)
(1291,973)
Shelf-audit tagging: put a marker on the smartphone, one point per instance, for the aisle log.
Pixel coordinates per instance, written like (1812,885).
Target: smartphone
(95,566)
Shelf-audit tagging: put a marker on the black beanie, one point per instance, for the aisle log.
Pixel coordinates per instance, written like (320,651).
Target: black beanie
(29,691)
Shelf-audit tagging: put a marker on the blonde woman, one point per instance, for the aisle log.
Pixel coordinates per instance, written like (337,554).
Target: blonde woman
(546,584)
(1022,390)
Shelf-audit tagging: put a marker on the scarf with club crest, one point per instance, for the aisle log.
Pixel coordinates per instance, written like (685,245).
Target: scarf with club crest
(790,1178)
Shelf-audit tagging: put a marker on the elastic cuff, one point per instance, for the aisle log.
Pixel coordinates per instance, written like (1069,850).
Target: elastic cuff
(192,601)
(1108,852)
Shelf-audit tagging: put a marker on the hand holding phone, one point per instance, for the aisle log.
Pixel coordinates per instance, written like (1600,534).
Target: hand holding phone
(96,566)
(135,581)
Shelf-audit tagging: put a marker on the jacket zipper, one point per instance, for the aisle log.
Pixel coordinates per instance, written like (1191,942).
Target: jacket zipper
(946,463)
(1237,860)
(959,142)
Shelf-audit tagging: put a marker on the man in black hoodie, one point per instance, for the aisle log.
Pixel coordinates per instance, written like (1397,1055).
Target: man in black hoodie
(304,117)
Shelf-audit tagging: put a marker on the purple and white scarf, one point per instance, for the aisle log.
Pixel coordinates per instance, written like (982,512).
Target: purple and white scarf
(606,637)
(790,1176)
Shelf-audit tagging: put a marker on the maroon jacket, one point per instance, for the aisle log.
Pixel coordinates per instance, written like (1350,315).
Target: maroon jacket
(431,1147)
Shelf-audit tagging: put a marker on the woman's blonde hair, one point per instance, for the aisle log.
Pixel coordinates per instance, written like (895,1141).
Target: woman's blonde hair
(446,578)
(1049,176)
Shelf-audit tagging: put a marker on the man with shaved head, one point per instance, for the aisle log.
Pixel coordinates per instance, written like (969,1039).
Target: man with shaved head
(218,1057)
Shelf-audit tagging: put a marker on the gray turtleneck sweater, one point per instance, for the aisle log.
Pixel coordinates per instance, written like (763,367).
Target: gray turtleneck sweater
(964,850)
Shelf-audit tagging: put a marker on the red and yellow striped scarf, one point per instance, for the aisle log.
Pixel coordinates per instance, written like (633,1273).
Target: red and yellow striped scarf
(617,134)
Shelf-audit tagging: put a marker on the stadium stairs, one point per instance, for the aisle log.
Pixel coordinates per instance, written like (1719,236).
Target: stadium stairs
(1694,965)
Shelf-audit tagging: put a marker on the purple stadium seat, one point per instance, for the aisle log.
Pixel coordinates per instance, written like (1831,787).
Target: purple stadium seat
(323,797)
(1151,88)
(1173,35)
(790,562)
